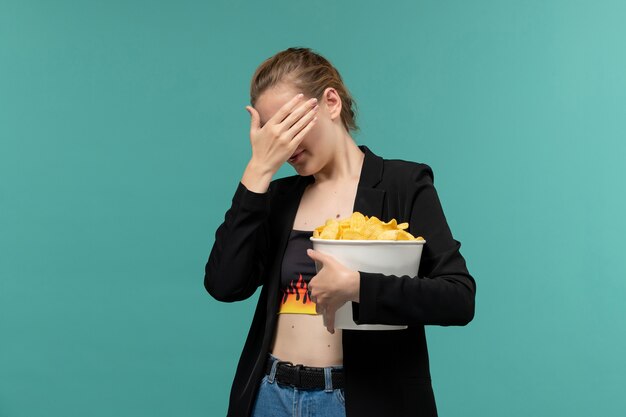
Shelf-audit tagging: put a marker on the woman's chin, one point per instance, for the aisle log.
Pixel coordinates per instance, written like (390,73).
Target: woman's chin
(301,169)
(303,166)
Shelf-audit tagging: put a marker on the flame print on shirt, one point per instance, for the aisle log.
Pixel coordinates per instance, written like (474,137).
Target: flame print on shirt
(295,298)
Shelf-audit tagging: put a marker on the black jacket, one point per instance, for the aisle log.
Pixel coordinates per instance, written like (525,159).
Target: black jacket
(386,371)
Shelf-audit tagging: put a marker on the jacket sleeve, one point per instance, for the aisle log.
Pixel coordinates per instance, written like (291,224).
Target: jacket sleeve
(238,260)
(443,291)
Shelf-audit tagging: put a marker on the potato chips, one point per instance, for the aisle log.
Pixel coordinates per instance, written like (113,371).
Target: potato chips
(360,227)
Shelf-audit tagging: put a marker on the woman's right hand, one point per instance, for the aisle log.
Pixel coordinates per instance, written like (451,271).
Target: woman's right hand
(275,142)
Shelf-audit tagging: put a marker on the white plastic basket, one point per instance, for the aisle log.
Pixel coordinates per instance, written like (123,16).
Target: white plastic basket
(390,257)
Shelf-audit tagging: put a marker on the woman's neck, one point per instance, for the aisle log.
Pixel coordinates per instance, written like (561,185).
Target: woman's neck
(345,164)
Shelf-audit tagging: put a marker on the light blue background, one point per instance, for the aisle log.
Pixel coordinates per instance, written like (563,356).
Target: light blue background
(123,135)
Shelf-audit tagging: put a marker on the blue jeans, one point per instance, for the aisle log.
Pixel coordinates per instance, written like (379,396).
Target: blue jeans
(277,400)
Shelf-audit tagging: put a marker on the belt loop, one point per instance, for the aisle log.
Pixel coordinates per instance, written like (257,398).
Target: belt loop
(328,380)
(272,375)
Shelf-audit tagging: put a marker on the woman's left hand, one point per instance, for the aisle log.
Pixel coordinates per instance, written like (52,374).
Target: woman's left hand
(333,286)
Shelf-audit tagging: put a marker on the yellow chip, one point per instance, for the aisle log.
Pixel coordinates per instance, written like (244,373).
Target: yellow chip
(356,221)
(390,225)
(353,235)
(402,235)
(388,235)
(372,228)
(331,230)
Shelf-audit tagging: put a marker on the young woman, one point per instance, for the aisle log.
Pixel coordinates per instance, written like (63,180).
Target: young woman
(294,362)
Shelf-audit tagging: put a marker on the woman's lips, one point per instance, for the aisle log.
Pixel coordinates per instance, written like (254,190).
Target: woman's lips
(296,157)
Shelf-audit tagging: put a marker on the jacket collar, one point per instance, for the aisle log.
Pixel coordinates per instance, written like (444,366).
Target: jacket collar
(372,171)
(369,200)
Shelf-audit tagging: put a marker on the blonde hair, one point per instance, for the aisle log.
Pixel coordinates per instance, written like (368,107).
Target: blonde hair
(308,72)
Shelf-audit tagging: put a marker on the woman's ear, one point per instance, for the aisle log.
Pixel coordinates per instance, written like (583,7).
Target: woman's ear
(331,99)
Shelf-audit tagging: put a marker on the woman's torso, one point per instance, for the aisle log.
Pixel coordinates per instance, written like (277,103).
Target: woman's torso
(303,338)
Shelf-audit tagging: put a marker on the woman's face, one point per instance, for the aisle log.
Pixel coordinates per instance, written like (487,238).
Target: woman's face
(315,148)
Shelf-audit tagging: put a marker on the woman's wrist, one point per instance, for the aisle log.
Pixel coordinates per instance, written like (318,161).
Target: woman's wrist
(256,178)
